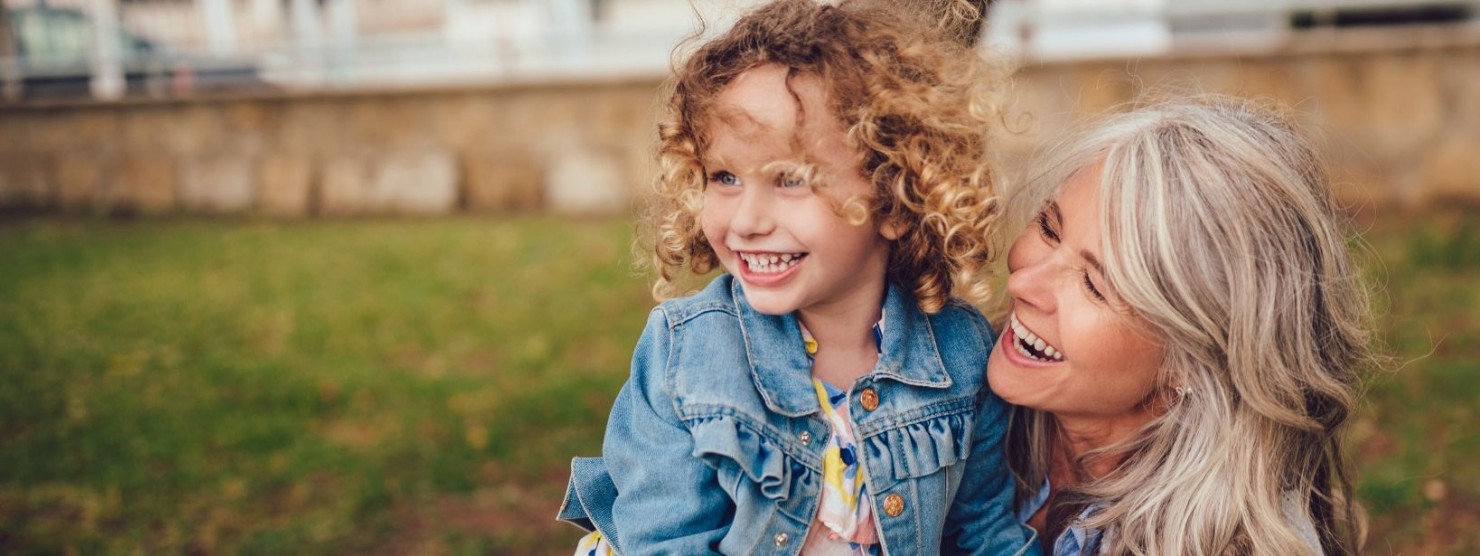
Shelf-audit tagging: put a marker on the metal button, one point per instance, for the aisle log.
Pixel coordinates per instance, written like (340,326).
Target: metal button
(781,539)
(894,505)
(805,437)
(869,399)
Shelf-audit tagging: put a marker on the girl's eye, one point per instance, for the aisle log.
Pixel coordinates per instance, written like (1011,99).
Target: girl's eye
(1090,285)
(724,178)
(792,181)
(1046,228)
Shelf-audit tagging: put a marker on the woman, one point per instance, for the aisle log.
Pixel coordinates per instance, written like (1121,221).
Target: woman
(1184,341)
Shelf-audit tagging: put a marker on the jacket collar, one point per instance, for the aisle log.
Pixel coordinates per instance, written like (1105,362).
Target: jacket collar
(783,372)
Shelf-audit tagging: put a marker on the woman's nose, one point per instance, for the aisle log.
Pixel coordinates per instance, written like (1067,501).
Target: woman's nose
(753,214)
(1031,282)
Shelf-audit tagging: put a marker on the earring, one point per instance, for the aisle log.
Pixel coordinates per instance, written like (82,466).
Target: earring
(1182,392)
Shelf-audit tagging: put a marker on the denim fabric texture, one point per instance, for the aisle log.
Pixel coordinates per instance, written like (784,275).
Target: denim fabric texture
(715,443)
(1078,540)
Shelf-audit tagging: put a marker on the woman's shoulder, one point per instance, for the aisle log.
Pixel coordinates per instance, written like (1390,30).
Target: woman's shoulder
(1299,519)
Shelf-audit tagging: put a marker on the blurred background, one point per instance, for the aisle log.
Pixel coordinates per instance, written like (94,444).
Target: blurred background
(355,276)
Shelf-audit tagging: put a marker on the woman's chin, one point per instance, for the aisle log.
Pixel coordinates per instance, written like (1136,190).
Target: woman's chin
(1015,382)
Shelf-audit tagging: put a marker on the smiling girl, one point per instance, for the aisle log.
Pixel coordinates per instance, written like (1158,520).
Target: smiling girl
(1184,341)
(825,393)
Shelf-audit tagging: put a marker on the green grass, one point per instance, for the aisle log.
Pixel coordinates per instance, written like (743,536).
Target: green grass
(272,388)
(1416,447)
(418,387)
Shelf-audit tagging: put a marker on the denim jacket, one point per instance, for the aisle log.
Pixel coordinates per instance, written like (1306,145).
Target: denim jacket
(715,443)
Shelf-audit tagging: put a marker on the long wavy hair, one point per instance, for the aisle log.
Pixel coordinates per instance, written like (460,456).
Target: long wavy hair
(916,103)
(1221,232)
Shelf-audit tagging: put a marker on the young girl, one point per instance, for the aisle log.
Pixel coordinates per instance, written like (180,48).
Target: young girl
(825,394)
(1184,343)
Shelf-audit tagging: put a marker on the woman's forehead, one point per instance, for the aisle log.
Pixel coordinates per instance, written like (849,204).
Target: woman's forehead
(1080,194)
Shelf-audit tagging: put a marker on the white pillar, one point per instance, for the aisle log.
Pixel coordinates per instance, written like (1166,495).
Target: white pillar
(453,13)
(265,14)
(107,58)
(569,25)
(343,28)
(343,20)
(308,40)
(220,24)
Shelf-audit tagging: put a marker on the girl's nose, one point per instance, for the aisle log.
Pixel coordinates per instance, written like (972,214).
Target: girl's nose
(753,215)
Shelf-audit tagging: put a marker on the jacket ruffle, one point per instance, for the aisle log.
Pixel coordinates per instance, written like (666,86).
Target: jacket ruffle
(735,449)
(589,498)
(921,448)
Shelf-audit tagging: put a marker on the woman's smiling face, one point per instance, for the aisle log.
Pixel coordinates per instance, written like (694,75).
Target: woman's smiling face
(1071,346)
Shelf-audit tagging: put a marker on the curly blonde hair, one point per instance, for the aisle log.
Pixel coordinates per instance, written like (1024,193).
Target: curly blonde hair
(916,105)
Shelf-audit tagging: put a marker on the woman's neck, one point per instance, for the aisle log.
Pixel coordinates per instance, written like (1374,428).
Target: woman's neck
(1079,436)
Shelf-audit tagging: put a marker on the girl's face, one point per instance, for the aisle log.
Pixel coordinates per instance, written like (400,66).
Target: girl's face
(1071,347)
(784,240)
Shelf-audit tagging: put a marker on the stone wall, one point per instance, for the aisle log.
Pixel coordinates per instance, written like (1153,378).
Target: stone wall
(1396,116)
(570,147)
(1399,120)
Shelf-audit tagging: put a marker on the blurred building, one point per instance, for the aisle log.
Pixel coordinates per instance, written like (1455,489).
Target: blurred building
(294,108)
(158,47)
(1087,29)
(114,48)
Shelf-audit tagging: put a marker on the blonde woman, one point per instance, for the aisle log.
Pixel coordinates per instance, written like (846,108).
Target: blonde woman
(1184,340)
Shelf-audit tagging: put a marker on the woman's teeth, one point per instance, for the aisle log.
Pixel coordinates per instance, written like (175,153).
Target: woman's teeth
(771,263)
(1029,344)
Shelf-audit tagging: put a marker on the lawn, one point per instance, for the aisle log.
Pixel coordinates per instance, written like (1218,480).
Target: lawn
(418,386)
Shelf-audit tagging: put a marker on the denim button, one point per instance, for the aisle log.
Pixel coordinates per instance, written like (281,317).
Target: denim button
(805,438)
(894,505)
(781,539)
(869,399)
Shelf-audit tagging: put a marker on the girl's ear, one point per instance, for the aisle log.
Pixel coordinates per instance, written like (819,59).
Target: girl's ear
(892,228)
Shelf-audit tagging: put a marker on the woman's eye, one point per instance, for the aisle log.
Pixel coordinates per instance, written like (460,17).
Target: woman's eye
(724,178)
(1045,228)
(1090,285)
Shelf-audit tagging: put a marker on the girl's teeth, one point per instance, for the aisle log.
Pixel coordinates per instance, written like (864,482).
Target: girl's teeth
(770,264)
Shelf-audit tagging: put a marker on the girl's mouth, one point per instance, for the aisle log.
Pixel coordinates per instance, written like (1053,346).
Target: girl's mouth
(1030,345)
(770,263)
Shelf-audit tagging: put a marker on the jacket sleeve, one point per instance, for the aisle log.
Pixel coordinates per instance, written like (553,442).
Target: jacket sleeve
(981,519)
(668,501)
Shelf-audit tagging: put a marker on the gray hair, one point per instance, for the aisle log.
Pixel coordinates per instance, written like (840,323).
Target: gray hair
(1220,231)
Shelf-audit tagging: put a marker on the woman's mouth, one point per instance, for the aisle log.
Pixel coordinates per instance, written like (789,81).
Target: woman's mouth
(770,263)
(1030,345)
